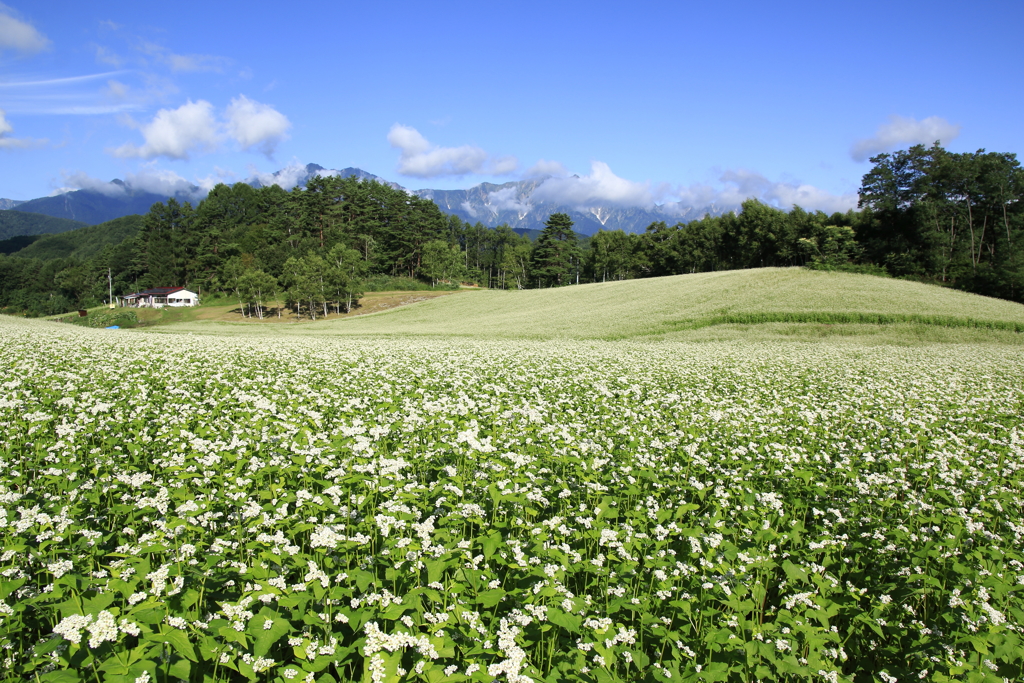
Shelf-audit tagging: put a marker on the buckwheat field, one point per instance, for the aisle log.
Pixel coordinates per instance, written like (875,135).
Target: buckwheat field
(284,509)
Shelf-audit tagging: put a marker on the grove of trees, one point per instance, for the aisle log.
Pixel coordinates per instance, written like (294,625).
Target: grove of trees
(925,213)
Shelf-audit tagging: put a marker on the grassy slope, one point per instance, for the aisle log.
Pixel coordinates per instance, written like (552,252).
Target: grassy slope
(683,307)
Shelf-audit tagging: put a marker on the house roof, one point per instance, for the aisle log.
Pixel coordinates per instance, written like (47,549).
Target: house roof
(161,291)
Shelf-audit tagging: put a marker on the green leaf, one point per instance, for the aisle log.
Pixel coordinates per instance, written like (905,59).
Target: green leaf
(793,572)
(178,641)
(232,636)
(180,669)
(264,638)
(361,578)
(435,570)
(490,544)
(569,622)
(490,598)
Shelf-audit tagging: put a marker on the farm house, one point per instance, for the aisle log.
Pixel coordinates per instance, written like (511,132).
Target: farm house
(158,297)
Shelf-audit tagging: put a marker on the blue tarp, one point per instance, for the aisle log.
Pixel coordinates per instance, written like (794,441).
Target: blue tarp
(113,327)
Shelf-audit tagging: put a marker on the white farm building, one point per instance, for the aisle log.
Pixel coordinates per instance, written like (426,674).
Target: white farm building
(158,297)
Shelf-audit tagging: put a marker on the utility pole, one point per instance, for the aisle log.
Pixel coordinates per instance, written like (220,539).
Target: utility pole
(110,286)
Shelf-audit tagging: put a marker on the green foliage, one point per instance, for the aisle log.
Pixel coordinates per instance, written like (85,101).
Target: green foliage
(14,223)
(442,262)
(555,260)
(104,318)
(14,244)
(954,218)
(87,242)
(388,283)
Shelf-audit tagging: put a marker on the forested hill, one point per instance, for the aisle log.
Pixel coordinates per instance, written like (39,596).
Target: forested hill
(17,223)
(85,242)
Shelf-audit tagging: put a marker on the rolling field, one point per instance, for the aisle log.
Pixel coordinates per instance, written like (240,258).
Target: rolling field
(390,498)
(674,307)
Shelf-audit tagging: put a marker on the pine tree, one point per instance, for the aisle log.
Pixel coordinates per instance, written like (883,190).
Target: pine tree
(556,256)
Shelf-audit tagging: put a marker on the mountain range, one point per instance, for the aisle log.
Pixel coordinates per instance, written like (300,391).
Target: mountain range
(513,203)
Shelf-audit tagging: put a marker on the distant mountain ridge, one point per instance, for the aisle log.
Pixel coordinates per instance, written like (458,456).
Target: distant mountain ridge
(510,203)
(92,207)
(513,204)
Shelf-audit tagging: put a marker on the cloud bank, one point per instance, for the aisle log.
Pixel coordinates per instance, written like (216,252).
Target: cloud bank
(900,132)
(147,179)
(600,188)
(18,35)
(740,185)
(194,127)
(420,159)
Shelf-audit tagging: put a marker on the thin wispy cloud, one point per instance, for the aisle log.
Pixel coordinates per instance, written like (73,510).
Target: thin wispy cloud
(900,131)
(544,167)
(68,80)
(184,63)
(104,55)
(72,95)
(7,141)
(421,159)
(17,35)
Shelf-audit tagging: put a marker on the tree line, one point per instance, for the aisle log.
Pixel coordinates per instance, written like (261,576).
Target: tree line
(924,213)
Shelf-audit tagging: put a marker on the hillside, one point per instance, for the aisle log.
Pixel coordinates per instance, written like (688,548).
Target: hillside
(84,242)
(16,223)
(655,307)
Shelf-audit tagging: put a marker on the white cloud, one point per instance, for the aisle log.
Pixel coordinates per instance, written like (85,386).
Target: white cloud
(160,181)
(19,35)
(600,188)
(147,179)
(194,127)
(7,142)
(900,131)
(80,180)
(507,199)
(740,185)
(253,124)
(545,168)
(176,133)
(287,178)
(421,159)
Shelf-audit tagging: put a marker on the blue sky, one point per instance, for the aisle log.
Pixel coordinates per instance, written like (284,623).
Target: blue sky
(646,101)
